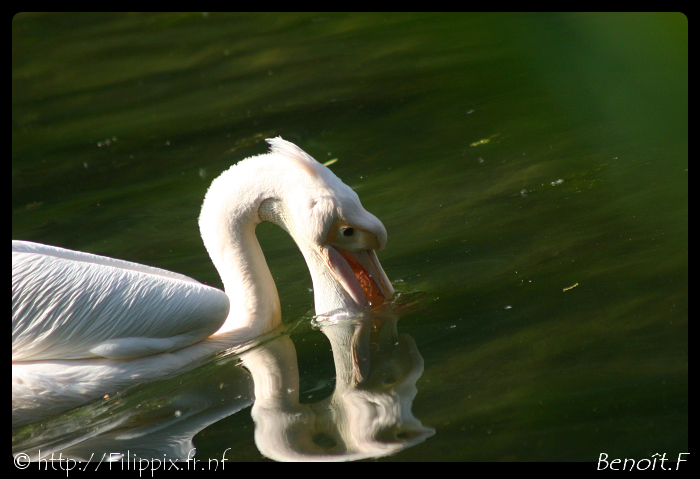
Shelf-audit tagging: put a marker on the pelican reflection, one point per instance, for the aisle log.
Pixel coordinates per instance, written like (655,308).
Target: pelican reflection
(368,414)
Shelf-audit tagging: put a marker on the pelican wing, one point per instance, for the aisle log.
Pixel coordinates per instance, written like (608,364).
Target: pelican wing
(69,305)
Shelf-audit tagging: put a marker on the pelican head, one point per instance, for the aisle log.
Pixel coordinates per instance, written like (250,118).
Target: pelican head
(336,235)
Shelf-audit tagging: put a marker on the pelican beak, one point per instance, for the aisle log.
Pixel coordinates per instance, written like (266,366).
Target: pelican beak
(361,275)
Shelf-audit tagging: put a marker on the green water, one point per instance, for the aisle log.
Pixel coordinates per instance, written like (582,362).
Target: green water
(531,171)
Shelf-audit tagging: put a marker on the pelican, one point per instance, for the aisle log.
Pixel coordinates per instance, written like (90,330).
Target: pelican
(70,307)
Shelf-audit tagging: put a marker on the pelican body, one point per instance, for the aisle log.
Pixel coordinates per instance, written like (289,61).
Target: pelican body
(69,305)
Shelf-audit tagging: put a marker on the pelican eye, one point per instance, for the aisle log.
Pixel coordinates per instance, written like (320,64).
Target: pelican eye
(350,238)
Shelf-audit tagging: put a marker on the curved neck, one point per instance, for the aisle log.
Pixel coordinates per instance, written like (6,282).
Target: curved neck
(227,224)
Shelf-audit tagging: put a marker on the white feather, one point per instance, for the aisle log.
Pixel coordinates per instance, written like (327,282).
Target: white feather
(74,314)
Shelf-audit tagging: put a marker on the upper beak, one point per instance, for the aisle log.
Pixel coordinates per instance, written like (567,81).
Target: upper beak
(360,274)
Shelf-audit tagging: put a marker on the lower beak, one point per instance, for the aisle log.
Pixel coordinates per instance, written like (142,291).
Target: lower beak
(361,275)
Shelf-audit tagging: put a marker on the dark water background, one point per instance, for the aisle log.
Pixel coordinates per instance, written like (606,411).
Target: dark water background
(510,157)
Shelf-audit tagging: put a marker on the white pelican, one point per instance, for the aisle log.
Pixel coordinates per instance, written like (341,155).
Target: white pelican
(68,305)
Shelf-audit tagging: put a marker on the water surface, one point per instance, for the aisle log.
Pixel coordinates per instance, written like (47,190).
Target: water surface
(531,170)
